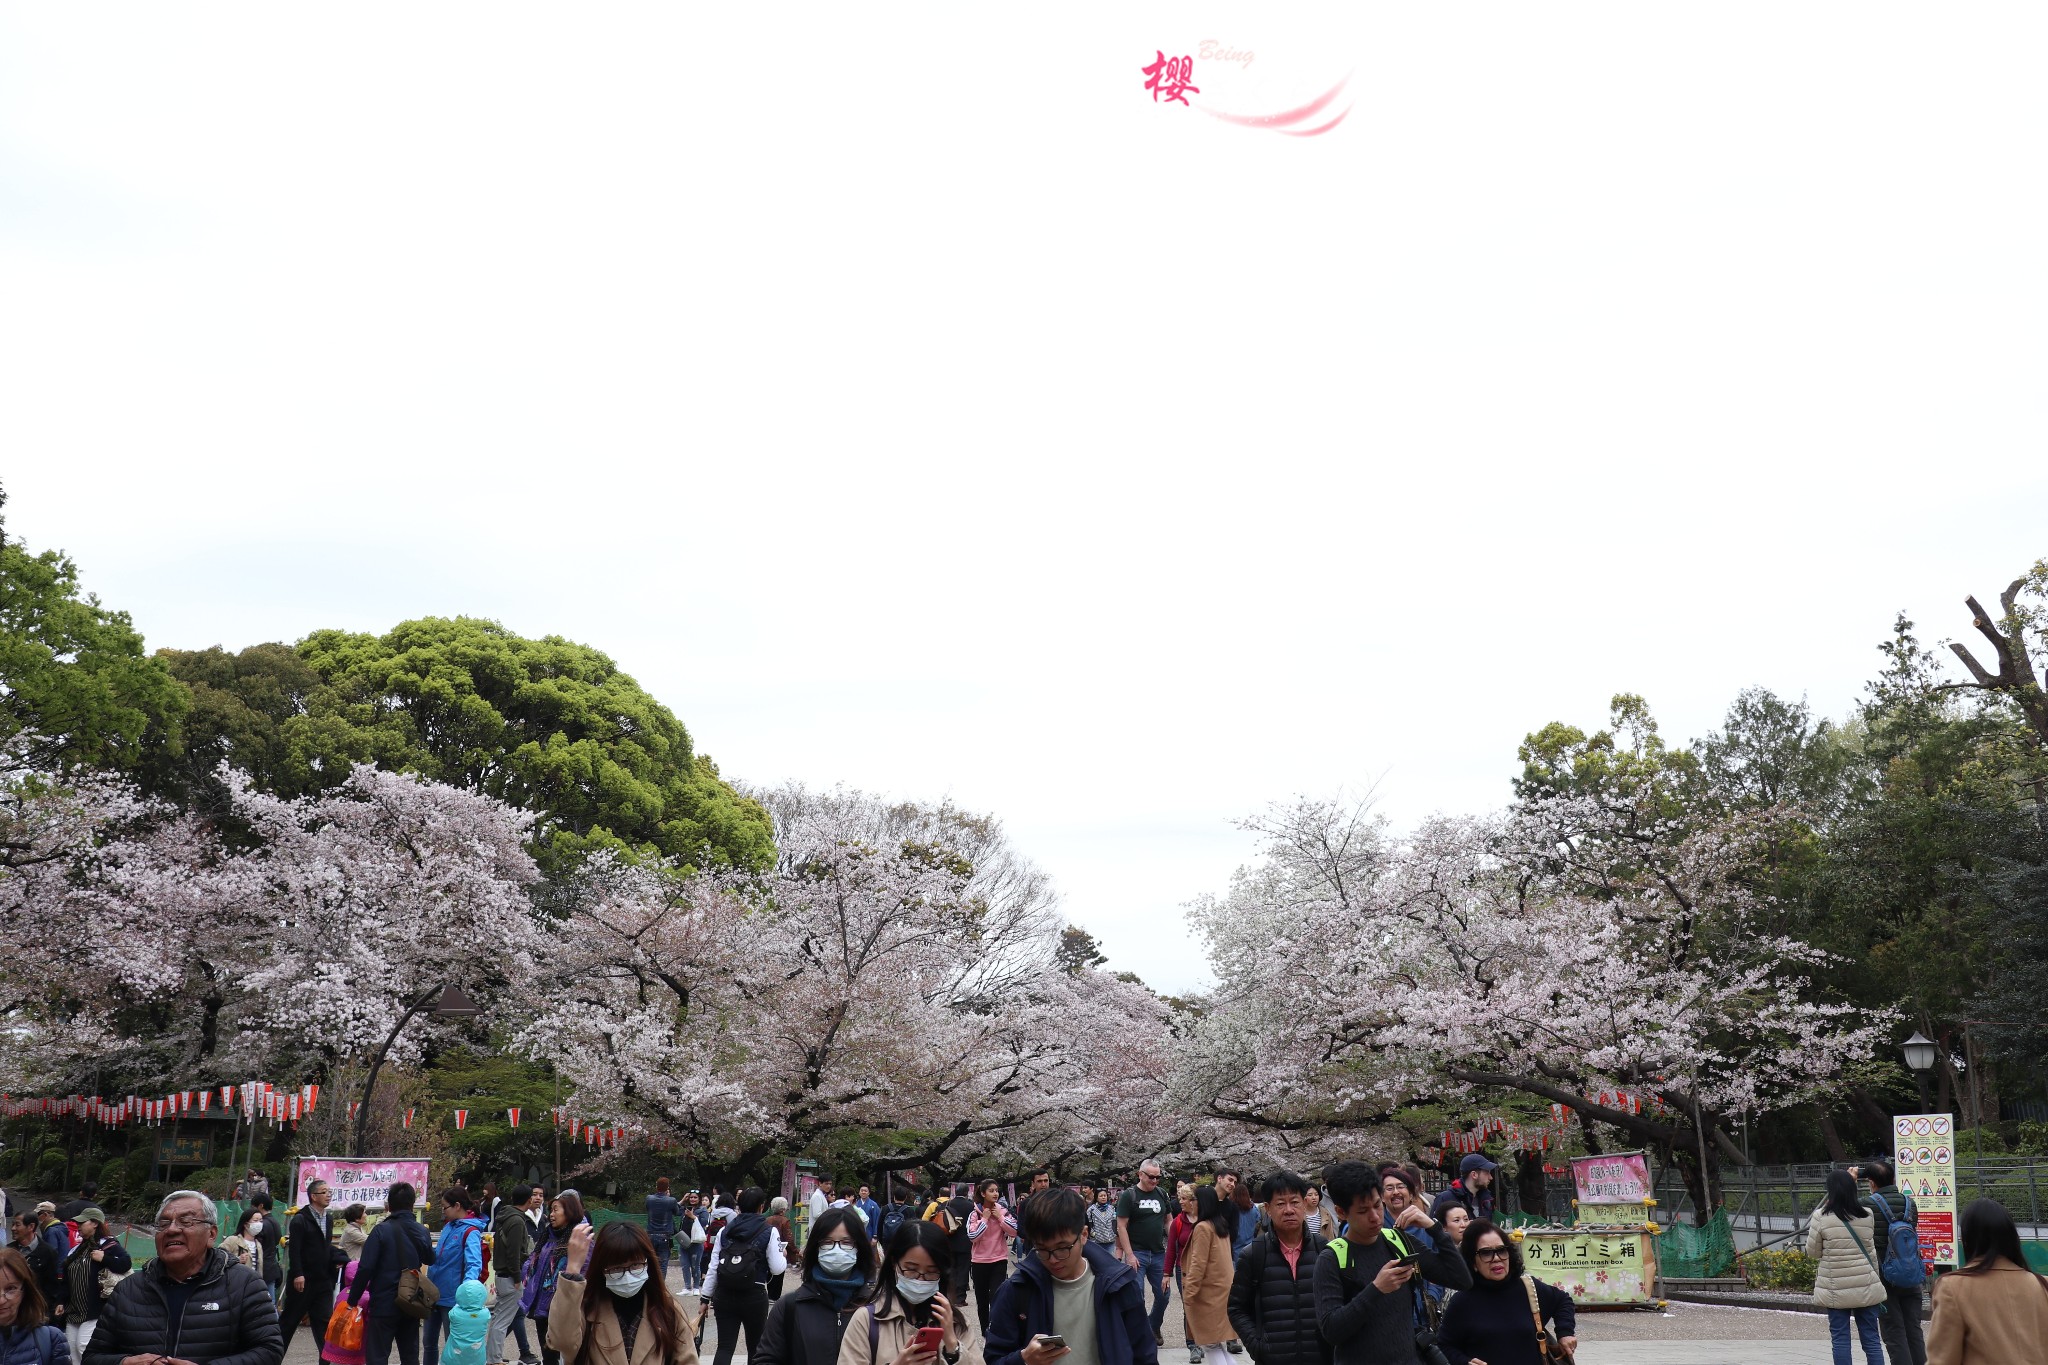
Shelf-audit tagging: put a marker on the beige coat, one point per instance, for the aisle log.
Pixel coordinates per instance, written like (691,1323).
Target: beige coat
(893,1332)
(1847,1276)
(1206,1272)
(607,1342)
(1996,1316)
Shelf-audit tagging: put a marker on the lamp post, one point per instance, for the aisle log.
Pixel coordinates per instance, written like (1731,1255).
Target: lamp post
(449,1003)
(1920,1052)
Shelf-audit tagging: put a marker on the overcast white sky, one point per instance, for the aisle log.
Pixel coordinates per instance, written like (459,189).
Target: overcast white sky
(909,401)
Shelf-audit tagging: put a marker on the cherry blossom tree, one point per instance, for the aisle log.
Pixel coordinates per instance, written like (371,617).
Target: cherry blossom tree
(894,974)
(1574,945)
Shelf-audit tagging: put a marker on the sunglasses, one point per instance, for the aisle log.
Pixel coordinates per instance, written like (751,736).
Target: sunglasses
(1491,1254)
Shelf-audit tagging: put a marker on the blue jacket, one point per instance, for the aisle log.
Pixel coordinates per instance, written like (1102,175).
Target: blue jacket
(1247,1229)
(1023,1310)
(397,1244)
(874,1213)
(44,1345)
(458,1256)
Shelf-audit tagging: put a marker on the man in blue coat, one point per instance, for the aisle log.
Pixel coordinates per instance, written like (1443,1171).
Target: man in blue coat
(396,1245)
(458,1256)
(1069,1288)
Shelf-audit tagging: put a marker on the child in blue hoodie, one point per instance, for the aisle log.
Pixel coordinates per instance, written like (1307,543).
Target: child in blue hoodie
(467,1324)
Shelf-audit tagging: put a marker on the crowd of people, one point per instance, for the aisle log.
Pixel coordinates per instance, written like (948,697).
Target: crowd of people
(1359,1267)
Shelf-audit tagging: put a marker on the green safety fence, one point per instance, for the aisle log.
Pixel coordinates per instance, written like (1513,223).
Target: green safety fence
(2037,1256)
(1685,1252)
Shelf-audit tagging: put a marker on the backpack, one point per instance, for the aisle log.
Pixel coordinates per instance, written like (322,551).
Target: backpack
(747,1261)
(1902,1268)
(892,1220)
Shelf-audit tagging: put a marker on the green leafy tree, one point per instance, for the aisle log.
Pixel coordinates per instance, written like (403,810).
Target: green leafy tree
(75,685)
(548,725)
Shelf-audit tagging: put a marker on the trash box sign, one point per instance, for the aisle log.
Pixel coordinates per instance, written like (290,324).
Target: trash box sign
(1622,1178)
(361,1180)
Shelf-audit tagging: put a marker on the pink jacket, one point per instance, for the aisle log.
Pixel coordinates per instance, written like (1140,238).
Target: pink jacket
(991,1236)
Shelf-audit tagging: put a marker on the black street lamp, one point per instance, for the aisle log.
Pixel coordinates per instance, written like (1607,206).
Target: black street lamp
(1920,1052)
(449,1003)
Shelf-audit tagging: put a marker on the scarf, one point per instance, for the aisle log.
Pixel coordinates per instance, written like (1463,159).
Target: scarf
(838,1292)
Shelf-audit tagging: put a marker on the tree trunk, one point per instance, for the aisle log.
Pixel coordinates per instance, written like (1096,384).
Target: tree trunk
(1836,1151)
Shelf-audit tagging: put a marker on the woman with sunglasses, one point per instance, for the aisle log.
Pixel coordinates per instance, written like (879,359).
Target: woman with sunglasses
(807,1324)
(907,1303)
(1494,1322)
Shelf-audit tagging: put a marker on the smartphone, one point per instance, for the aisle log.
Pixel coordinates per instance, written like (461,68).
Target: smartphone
(1411,1260)
(1056,1342)
(930,1339)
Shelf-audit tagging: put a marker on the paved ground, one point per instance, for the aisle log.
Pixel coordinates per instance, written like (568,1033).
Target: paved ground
(1683,1334)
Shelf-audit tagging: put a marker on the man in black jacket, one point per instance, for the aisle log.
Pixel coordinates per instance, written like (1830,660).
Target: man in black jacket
(396,1245)
(1273,1295)
(193,1305)
(1900,1325)
(315,1263)
(1364,1294)
(42,1262)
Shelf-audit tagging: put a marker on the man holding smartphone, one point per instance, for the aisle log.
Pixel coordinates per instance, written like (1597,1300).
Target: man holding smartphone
(1070,1301)
(1363,1281)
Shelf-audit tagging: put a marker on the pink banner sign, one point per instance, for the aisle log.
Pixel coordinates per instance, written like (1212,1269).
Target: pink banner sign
(362,1180)
(1623,1178)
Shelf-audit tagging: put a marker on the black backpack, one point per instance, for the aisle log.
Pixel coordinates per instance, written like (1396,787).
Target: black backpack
(745,1262)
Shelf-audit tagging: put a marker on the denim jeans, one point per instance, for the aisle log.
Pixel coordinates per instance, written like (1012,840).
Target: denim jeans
(431,1332)
(1152,1265)
(1866,1328)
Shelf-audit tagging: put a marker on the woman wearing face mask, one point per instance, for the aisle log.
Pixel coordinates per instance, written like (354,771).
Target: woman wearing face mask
(908,1301)
(806,1324)
(618,1312)
(1494,1322)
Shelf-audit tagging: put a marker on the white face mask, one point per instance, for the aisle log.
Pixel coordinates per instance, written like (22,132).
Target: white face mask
(836,1258)
(626,1283)
(915,1291)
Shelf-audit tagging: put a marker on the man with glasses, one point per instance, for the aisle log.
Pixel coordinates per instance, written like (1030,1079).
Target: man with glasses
(1068,1289)
(193,1305)
(1364,1281)
(315,1264)
(1141,1217)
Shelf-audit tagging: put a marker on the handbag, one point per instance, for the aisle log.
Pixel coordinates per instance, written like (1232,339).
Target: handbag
(417,1294)
(1546,1340)
(345,1327)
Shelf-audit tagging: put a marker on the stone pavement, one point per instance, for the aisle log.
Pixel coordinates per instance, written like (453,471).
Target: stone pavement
(1683,1334)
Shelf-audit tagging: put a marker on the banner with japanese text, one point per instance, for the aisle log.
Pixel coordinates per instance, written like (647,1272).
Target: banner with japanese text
(362,1180)
(1619,1178)
(1593,1267)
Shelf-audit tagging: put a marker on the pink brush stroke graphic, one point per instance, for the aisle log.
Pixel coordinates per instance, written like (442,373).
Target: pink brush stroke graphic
(1280,123)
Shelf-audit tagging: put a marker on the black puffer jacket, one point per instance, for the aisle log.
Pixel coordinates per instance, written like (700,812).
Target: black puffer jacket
(1274,1308)
(228,1320)
(803,1329)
